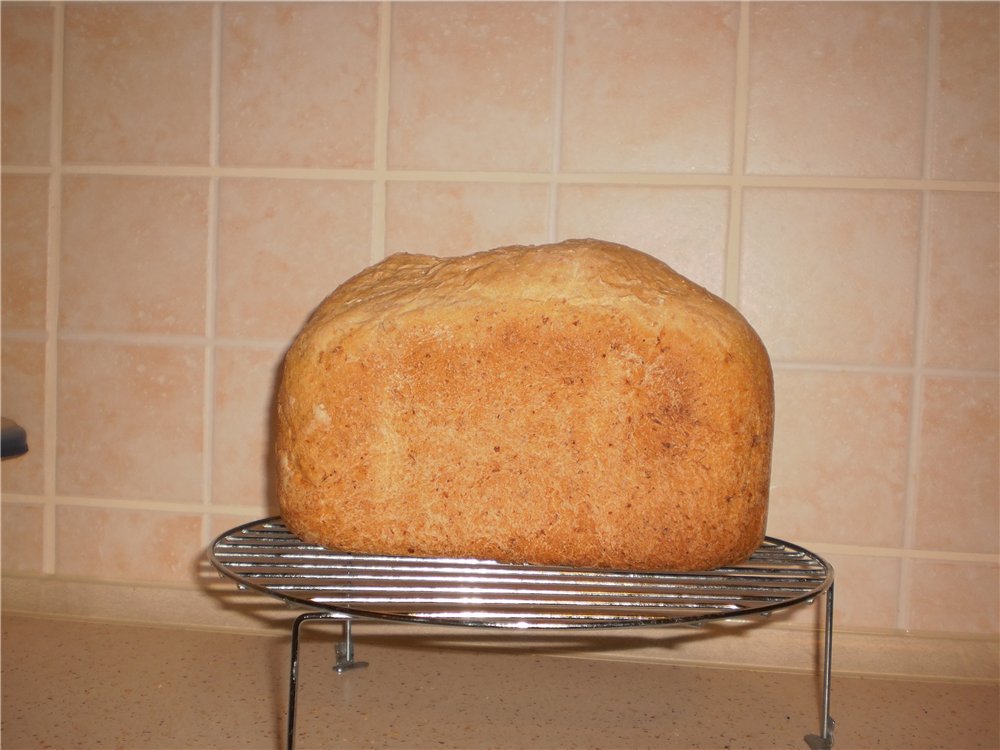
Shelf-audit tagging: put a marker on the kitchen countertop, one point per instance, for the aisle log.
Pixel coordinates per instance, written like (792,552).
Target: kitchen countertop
(76,684)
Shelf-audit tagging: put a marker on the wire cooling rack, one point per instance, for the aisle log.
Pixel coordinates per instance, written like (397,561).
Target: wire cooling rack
(265,556)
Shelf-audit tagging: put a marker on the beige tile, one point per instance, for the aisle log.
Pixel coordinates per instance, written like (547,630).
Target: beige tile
(839,464)
(220,523)
(283,247)
(26,49)
(137,82)
(636,83)
(243,437)
(837,89)
(963,307)
(130,421)
(22,538)
(23,398)
(454,218)
(298,82)
(831,275)
(115,544)
(866,596)
(954,597)
(25,216)
(965,115)
(957,474)
(472,86)
(684,228)
(867,591)
(134,254)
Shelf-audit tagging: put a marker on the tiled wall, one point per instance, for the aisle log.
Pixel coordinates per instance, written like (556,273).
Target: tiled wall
(183,182)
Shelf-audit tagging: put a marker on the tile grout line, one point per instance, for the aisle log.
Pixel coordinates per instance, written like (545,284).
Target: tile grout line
(187,507)
(558,94)
(231,342)
(383,69)
(195,508)
(215,90)
(211,276)
(164,339)
(912,486)
(52,281)
(640,179)
(737,167)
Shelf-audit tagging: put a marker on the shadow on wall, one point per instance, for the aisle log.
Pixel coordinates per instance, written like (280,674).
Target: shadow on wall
(271,466)
(271,463)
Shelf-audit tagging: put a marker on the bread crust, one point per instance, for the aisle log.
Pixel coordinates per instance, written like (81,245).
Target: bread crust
(571,404)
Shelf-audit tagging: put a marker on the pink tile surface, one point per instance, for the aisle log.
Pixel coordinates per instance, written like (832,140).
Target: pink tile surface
(837,88)
(220,523)
(26,86)
(454,218)
(636,83)
(23,396)
(207,205)
(685,228)
(954,597)
(22,538)
(246,381)
(840,451)
(115,544)
(24,235)
(137,82)
(958,483)
(965,117)
(472,86)
(284,245)
(134,254)
(129,421)
(866,597)
(300,84)
(867,591)
(830,275)
(963,321)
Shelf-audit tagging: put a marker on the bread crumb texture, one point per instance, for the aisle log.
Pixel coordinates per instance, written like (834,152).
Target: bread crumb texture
(570,404)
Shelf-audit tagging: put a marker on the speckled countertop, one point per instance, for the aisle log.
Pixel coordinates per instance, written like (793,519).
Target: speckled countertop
(71,684)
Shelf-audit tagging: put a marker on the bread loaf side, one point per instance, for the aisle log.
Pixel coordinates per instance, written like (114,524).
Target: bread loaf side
(572,404)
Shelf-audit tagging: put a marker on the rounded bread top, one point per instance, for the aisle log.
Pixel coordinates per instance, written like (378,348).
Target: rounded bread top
(577,272)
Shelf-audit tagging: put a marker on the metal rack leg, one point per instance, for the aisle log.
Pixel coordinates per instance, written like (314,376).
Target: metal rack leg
(825,739)
(345,661)
(345,652)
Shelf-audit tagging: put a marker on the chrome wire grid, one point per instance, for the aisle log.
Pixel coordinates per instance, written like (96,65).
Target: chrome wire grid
(266,557)
(336,586)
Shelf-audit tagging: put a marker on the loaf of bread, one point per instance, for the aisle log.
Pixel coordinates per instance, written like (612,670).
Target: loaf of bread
(572,404)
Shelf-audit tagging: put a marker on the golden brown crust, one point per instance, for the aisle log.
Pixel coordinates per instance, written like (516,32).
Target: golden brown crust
(578,403)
